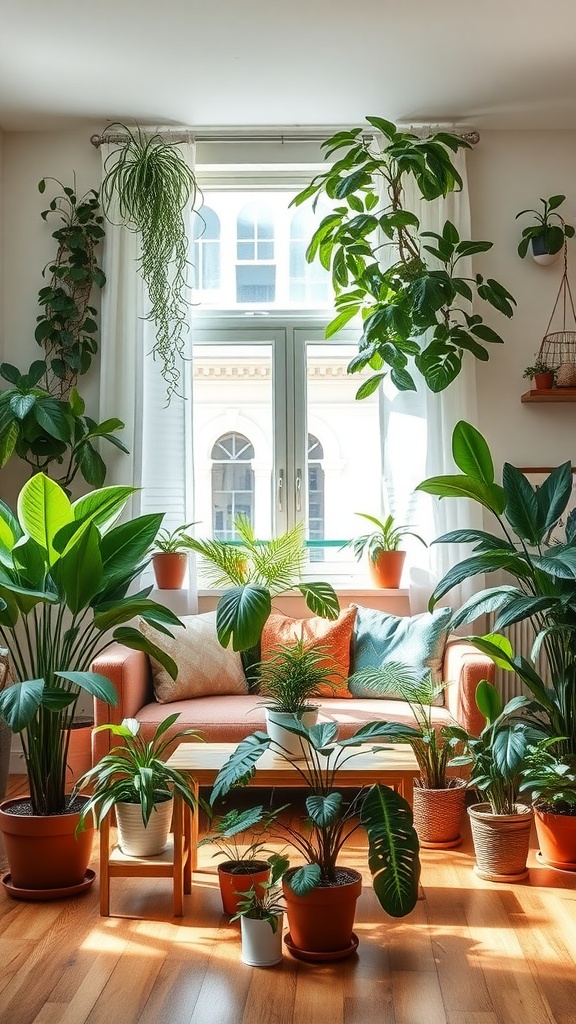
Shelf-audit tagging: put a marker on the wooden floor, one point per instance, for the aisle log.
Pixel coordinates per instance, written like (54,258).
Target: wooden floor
(472,952)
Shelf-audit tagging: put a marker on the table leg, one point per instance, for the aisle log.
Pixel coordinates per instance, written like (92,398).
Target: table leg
(105,867)
(194,833)
(178,866)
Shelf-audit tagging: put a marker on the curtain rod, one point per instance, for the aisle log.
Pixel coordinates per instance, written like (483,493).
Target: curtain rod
(472,137)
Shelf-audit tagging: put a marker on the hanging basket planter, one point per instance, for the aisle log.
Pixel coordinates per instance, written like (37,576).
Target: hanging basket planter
(558,348)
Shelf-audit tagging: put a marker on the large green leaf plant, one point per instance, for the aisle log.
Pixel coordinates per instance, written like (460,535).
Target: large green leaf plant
(65,573)
(332,819)
(524,550)
(405,283)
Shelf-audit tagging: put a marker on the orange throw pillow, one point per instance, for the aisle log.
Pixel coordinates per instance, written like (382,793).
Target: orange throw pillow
(335,635)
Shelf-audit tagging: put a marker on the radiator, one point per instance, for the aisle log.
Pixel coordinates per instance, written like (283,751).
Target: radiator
(521,636)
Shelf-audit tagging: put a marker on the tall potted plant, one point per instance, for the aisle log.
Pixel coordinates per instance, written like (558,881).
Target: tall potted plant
(438,798)
(245,865)
(65,572)
(405,283)
(549,779)
(321,896)
(543,572)
(290,678)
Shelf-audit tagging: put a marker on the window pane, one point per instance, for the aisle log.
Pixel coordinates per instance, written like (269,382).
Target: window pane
(344,469)
(232,430)
(255,283)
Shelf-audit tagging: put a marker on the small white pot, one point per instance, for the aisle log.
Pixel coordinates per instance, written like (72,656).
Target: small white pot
(275,722)
(261,947)
(134,839)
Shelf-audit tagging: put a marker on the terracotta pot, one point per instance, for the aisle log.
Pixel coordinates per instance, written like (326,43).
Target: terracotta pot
(556,839)
(233,881)
(138,840)
(277,720)
(501,842)
(438,814)
(261,947)
(543,381)
(322,922)
(386,570)
(43,851)
(170,569)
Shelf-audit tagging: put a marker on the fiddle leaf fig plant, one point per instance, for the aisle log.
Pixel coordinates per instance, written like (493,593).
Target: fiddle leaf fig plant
(405,283)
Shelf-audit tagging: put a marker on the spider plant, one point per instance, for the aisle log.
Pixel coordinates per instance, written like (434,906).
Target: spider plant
(155,187)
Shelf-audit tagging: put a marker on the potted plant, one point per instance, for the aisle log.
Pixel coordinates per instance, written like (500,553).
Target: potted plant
(289,679)
(541,582)
(382,546)
(154,187)
(321,896)
(414,309)
(438,799)
(549,778)
(261,915)
(134,779)
(541,373)
(501,824)
(546,237)
(245,865)
(170,557)
(65,572)
(254,572)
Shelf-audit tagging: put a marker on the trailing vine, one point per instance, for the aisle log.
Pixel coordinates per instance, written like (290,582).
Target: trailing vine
(154,187)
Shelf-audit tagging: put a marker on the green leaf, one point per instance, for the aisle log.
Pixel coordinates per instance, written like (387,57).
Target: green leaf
(392,849)
(136,641)
(321,598)
(124,546)
(521,504)
(368,387)
(305,879)
(43,509)
(94,683)
(488,700)
(20,405)
(491,496)
(103,506)
(239,767)
(52,415)
(81,568)
(471,453)
(19,703)
(90,463)
(324,810)
(241,614)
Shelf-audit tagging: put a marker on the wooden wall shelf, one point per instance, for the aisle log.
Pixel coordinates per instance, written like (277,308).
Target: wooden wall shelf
(553,395)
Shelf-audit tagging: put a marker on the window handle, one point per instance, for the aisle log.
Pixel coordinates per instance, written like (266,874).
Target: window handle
(281,490)
(298,489)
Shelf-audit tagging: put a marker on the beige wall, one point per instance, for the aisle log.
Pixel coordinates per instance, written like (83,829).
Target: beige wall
(508,171)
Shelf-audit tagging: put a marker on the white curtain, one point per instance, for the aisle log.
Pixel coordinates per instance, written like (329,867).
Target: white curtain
(157,433)
(417,428)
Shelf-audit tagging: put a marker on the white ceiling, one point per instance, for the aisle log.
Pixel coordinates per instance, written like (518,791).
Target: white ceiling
(479,63)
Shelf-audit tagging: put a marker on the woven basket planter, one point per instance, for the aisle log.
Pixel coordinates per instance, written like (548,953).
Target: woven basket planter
(501,842)
(438,815)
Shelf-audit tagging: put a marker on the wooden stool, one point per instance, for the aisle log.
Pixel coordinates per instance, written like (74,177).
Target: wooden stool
(174,862)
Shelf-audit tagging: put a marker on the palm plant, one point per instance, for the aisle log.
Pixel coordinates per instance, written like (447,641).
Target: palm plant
(155,186)
(255,571)
(65,573)
(544,572)
(292,675)
(332,820)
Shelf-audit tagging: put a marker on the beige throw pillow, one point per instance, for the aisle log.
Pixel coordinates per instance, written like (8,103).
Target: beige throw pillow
(204,666)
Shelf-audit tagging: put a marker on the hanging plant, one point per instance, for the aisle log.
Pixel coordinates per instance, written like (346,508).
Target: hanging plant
(155,186)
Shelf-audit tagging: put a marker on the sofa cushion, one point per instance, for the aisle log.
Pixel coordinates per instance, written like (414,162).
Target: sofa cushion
(333,635)
(417,642)
(204,666)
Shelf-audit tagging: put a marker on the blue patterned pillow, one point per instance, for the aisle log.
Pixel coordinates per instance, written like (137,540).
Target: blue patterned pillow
(416,641)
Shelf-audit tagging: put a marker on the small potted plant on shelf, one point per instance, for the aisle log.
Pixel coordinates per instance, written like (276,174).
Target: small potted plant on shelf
(246,865)
(289,679)
(549,778)
(501,824)
(321,896)
(66,571)
(546,237)
(541,373)
(438,799)
(261,915)
(382,546)
(134,779)
(170,557)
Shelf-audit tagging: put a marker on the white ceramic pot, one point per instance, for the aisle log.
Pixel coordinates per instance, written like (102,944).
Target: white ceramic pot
(134,839)
(277,720)
(261,947)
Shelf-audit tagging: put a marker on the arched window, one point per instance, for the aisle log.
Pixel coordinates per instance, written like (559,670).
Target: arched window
(206,253)
(309,282)
(315,496)
(232,484)
(255,254)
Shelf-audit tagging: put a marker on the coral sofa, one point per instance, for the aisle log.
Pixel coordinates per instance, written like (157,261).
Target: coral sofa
(231,717)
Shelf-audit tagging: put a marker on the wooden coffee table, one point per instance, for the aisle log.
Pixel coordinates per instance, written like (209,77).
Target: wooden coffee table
(395,766)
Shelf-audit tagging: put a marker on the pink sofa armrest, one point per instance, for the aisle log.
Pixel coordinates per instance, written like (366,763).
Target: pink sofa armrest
(130,673)
(463,669)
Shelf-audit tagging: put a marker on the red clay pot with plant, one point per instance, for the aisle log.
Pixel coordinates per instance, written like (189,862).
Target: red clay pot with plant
(323,920)
(236,878)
